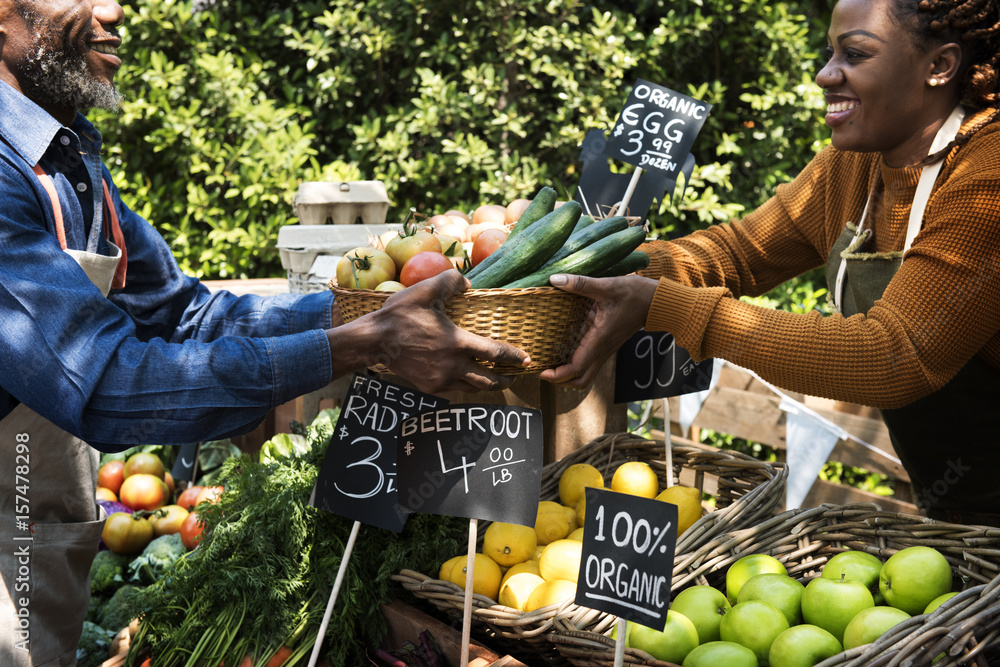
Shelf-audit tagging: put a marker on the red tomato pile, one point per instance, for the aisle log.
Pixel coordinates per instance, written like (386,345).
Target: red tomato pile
(143,485)
(447,240)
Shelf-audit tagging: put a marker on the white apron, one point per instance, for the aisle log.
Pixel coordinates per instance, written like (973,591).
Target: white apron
(50,523)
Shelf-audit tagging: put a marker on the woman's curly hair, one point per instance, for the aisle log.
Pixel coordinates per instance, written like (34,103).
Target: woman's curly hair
(975,26)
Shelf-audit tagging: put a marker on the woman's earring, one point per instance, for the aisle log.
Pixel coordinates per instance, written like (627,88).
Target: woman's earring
(933,82)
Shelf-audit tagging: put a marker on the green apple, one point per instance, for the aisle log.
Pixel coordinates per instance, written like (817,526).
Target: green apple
(705,606)
(870,624)
(753,624)
(856,566)
(781,590)
(914,576)
(936,602)
(803,646)
(719,654)
(749,566)
(831,604)
(672,644)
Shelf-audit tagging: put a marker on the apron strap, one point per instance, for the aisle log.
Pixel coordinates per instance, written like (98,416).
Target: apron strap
(945,135)
(110,214)
(50,188)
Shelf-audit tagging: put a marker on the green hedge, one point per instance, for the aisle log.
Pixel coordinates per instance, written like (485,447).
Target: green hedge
(452,104)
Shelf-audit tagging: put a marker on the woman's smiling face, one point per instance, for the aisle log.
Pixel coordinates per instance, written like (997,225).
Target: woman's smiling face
(876,84)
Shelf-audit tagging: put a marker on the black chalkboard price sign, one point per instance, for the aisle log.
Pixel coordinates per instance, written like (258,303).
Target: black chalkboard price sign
(651,365)
(358,477)
(657,128)
(628,556)
(472,460)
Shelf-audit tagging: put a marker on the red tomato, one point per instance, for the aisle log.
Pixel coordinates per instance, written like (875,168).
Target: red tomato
(189,497)
(487,241)
(144,462)
(191,531)
(126,533)
(450,246)
(168,479)
(210,494)
(424,265)
(402,248)
(171,521)
(111,475)
(106,494)
(143,491)
(364,268)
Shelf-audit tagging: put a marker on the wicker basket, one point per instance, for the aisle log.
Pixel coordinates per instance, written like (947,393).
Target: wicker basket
(747,491)
(966,627)
(545,322)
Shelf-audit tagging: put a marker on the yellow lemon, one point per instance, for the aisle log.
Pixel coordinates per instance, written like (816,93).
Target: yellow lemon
(576,534)
(538,552)
(445,573)
(556,591)
(575,479)
(553,521)
(561,560)
(530,566)
(485,577)
(516,590)
(688,501)
(509,543)
(635,478)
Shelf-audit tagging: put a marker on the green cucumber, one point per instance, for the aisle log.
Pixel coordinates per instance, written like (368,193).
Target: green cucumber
(581,238)
(524,254)
(634,261)
(589,261)
(585,221)
(542,205)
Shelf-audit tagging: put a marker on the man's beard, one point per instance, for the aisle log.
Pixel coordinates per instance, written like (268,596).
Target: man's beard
(57,76)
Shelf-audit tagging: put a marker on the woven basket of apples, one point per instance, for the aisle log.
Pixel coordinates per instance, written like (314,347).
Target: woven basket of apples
(830,586)
(525,578)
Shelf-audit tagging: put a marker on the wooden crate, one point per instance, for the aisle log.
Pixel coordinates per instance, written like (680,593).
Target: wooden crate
(744,407)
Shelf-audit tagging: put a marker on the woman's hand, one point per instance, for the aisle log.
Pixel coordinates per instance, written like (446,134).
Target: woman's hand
(620,307)
(413,336)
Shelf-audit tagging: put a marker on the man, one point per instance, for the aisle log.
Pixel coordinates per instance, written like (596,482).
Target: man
(105,344)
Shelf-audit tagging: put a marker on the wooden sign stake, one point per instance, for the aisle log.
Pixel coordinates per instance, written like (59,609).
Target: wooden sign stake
(620,642)
(623,204)
(341,571)
(470,575)
(667,445)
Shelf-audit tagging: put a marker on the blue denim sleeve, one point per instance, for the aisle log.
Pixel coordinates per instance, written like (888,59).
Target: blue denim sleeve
(161,361)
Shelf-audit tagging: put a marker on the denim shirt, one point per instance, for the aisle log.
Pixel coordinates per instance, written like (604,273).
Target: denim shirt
(160,361)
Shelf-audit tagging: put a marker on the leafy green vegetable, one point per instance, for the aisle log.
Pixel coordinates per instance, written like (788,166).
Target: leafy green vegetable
(263,572)
(120,609)
(94,646)
(107,572)
(156,559)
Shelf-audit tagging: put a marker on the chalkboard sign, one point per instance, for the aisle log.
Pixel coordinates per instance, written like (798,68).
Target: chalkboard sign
(358,477)
(657,128)
(628,556)
(472,460)
(183,469)
(651,365)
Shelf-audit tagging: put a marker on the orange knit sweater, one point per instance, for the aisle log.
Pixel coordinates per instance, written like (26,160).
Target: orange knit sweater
(941,308)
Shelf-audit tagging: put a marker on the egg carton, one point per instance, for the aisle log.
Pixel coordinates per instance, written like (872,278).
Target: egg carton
(300,245)
(342,203)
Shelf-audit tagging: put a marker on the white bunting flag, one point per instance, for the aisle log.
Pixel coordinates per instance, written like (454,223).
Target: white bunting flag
(809,439)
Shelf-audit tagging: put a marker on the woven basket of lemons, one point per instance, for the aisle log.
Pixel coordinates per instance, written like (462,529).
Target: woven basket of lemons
(531,581)
(938,603)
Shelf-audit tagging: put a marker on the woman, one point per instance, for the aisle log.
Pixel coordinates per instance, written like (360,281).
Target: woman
(914,174)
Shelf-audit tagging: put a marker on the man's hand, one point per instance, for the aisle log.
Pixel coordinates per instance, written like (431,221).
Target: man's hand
(412,335)
(620,307)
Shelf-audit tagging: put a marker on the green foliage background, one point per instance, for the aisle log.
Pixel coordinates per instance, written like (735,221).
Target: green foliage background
(451,103)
